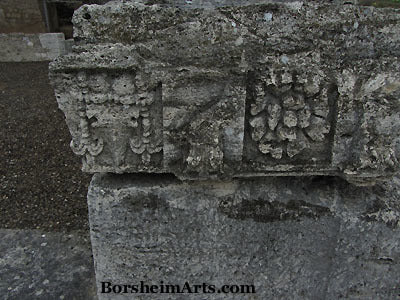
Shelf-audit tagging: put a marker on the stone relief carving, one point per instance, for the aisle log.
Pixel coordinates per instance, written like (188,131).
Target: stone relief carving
(87,143)
(241,95)
(204,135)
(290,112)
(142,144)
(120,104)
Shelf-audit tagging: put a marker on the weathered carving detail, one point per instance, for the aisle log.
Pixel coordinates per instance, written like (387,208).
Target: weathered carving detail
(288,113)
(242,94)
(142,144)
(208,130)
(86,144)
(83,142)
(119,104)
(377,149)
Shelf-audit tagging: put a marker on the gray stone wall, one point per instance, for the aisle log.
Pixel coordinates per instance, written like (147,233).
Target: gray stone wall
(20,47)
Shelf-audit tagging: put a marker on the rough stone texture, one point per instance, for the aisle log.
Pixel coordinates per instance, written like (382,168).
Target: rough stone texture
(267,89)
(46,265)
(208,91)
(292,238)
(21,47)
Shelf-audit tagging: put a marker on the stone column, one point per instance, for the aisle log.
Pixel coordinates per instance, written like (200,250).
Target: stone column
(202,112)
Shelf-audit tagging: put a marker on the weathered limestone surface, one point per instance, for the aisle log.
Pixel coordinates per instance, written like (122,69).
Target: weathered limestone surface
(265,89)
(291,238)
(239,93)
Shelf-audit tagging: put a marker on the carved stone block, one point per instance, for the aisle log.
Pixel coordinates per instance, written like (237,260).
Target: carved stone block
(115,119)
(290,116)
(295,238)
(234,91)
(203,123)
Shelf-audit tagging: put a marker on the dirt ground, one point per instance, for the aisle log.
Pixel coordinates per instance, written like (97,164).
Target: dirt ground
(41,185)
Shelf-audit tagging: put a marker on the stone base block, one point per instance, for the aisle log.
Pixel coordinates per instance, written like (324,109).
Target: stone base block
(283,238)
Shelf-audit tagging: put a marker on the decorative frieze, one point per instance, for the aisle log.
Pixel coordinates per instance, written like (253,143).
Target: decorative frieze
(242,91)
(290,115)
(118,106)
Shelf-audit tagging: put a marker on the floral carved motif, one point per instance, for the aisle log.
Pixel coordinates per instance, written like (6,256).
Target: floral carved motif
(289,114)
(122,105)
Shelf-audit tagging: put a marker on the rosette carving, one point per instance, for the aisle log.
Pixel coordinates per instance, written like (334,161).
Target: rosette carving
(288,115)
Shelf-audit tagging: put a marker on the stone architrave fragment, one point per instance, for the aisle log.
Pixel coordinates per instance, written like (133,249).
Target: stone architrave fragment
(238,91)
